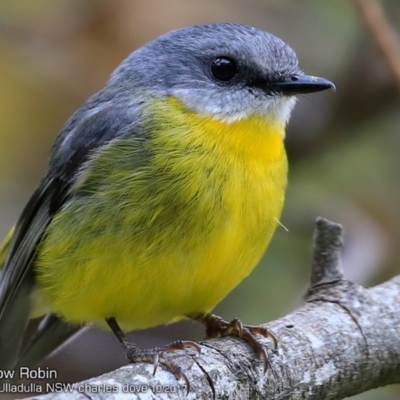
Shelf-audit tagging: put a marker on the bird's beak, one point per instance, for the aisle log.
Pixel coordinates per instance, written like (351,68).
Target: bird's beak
(302,84)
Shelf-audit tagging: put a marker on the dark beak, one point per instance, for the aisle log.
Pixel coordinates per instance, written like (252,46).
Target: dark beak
(301,84)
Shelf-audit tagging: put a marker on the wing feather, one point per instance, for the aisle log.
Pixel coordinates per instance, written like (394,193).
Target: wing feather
(83,135)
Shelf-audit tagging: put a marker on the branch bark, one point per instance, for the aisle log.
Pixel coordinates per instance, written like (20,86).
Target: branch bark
(384,34)
(344,340)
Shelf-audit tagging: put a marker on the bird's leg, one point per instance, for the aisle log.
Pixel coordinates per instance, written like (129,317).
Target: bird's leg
(217,327)
(156,355)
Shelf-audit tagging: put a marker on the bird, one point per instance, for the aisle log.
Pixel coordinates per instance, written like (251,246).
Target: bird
(161,195)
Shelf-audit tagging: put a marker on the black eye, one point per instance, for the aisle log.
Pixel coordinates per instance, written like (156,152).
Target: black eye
(223,68)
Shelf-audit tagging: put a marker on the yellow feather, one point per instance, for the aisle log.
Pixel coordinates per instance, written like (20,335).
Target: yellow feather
(4,247)
(152,241)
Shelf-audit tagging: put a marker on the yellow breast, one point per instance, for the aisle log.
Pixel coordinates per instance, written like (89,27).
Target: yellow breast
(174,235)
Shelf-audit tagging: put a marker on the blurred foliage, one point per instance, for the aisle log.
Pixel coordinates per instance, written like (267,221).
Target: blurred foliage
(343,147)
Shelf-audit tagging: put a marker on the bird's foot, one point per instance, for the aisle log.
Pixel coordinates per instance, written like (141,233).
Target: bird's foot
(218,327)
(159,355)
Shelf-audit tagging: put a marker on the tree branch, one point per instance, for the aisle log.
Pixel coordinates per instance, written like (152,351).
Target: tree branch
(384,34)
(344,340)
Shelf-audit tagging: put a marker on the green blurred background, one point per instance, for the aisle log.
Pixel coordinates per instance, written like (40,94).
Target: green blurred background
(343,147)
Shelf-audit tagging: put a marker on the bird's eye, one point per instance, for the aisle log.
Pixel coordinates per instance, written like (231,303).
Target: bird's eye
(223,68)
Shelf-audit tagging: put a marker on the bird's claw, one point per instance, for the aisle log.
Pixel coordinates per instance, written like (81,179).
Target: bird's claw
(159,355)
(218,327)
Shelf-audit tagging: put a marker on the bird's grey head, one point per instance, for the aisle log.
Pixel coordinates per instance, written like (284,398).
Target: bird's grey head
(226,71)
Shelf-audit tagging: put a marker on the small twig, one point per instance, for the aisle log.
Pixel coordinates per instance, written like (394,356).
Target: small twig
(328,243)
(385,36)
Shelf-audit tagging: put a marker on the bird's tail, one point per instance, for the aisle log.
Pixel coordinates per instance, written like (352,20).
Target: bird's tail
(13,319)
(15,349)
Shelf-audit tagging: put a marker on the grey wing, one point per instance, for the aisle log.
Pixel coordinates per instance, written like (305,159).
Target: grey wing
(17,278)
(80,137)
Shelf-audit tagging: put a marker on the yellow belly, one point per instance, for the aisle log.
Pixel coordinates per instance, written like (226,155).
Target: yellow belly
(152,243)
